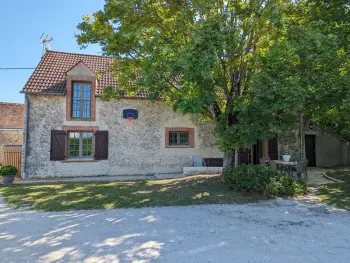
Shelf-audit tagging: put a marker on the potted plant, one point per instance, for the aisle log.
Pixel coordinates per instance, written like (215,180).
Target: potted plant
(8,174)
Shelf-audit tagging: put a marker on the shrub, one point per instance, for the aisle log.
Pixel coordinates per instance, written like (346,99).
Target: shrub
(8,170)
(263,179)
(250,178)
(285,185)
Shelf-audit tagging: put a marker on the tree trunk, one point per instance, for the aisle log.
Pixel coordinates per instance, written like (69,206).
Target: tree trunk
(236,157)
(229,160)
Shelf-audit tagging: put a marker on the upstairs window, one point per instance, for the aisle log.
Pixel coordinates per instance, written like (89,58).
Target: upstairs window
(81,100)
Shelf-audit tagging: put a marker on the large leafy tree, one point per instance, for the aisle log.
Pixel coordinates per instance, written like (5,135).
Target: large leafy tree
(239,62)
(328,101)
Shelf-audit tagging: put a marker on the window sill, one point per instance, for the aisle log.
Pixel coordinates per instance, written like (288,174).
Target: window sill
(81,119)
(80,160)
(179,146)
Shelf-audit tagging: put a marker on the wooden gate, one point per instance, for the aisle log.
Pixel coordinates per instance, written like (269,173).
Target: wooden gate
(12,156)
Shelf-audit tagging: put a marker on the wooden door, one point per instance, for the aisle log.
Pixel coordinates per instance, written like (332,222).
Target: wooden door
(310,150)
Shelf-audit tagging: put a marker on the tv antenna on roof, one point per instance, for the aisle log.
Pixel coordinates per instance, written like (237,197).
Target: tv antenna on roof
(45,42)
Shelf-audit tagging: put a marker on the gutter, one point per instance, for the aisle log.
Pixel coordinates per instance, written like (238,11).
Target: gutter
(44,93)
(301,127)
(25,132)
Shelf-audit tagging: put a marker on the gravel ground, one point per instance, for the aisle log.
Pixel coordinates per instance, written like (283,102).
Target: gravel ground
(274,231)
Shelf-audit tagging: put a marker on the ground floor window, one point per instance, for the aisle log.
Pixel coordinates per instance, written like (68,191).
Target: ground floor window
(179,138)
(80,144)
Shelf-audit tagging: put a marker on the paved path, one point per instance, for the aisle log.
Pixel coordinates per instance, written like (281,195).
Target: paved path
(315,176)
(275,231)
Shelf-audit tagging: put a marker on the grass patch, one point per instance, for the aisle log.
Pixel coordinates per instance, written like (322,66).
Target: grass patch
(342,173)
(337,194)
(204,189)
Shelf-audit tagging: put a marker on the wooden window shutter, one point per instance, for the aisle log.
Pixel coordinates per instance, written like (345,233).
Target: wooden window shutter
(58,145)
(101,145)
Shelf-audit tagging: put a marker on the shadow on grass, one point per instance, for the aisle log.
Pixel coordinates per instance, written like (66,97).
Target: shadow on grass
(208,189)
(336,194)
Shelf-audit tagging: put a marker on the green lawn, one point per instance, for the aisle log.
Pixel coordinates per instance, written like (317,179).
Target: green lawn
(337,194)
(204,189)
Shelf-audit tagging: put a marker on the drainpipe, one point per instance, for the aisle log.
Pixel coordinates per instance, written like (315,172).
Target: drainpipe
(25,132)
(301,127)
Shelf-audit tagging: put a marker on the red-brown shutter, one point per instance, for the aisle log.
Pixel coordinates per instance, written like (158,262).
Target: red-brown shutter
(58,143)
(101,145)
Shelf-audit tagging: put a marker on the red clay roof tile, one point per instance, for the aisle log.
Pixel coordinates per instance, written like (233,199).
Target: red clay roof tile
(50,75)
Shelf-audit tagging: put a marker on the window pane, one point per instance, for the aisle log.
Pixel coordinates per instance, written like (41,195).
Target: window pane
(87,144)
(81,104)
(73,143)
(172,138)
(76,101)
(86,91)
(86,106)
(86,113)
(184,138)
(179,138)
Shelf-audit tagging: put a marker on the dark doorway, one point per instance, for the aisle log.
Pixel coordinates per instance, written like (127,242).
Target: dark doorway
(243,156)
(257,152)
(273,149)
(310,150)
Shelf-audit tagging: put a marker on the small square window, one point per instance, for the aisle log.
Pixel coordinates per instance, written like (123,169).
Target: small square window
(179,138)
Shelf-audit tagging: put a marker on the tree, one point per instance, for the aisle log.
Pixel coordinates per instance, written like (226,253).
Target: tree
(235,62)
(328,102)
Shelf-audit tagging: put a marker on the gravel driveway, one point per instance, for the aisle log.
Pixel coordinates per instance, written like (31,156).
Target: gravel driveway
(274,231)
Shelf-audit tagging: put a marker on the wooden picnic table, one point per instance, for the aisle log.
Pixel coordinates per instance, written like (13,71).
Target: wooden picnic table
(287,166)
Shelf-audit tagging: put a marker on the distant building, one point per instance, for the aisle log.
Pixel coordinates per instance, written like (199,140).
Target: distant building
(11,124)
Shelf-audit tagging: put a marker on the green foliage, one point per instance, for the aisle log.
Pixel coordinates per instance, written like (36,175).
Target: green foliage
(263,179)
(329,37)
(8,170)
(251,66)
(285,186)
(250,178)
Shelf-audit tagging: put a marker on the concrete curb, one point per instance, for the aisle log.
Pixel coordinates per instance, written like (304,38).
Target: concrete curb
(331,178)
(83,179)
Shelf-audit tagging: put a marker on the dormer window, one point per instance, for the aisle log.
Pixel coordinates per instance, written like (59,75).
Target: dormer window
(81,100)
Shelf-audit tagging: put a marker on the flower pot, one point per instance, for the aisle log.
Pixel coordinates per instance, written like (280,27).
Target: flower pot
(6,180)
(286,157)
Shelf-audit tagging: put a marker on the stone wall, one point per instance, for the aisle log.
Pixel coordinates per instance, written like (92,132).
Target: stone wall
(138,148)
(289,143)
(9,137)
(11,124)
(329,148)
(11,115)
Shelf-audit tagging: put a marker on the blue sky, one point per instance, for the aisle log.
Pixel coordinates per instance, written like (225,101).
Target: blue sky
(21,24)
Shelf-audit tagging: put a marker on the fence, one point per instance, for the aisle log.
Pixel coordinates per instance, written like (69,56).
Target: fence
(12,156)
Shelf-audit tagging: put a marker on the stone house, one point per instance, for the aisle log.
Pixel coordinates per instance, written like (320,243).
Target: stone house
(11,125)
(305,140)
(69,131)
